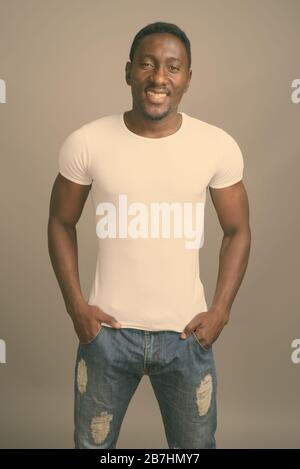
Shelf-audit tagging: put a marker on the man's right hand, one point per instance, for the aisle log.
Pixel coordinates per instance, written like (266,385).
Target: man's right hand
(87,322)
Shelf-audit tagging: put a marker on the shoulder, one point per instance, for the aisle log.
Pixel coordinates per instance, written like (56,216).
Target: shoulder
(104,124)
(211,132)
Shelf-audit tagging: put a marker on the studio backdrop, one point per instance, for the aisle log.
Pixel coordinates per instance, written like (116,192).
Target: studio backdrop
(62,64)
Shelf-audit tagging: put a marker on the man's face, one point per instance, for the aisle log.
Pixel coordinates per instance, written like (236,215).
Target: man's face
(158,75)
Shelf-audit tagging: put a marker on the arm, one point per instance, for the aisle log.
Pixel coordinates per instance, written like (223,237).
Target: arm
(232,207)
(67,201)
(66,205)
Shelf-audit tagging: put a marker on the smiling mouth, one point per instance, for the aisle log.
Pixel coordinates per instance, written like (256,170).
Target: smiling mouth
(156,98)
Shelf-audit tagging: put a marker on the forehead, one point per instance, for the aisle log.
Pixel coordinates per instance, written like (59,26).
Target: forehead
(162,45)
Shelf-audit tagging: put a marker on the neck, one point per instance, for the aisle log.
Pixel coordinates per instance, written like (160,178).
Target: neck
(147,127)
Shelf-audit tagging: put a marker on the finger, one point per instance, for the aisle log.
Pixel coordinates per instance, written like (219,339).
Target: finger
(109,319)
(192,325)
(189,328)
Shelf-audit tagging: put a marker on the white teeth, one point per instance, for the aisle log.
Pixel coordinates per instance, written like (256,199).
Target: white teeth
(156,98)
(154,93)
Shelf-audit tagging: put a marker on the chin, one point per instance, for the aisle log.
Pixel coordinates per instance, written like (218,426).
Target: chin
(156,115)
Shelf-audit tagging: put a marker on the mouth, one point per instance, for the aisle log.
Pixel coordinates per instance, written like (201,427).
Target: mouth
(155,97)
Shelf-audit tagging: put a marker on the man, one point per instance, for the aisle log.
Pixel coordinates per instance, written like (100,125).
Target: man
(146,312)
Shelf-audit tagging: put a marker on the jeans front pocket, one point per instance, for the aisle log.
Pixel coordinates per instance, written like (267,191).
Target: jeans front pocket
(198,342)
(94,338)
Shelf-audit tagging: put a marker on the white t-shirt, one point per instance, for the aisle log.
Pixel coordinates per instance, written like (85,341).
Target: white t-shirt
(146,275)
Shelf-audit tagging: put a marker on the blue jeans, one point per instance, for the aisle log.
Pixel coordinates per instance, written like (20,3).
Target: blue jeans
(182,374)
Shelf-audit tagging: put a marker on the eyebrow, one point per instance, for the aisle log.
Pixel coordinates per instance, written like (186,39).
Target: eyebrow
(168,58)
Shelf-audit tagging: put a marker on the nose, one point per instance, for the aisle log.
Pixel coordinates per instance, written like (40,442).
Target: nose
(158,76)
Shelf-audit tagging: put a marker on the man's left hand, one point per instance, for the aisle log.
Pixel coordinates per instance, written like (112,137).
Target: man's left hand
(207,325)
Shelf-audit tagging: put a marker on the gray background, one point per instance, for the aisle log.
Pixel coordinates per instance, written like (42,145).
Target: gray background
(63,63)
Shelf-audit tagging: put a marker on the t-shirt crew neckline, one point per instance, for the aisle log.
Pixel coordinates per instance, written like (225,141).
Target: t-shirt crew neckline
(159,139)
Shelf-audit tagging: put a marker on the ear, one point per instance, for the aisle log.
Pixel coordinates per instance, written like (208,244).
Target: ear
(127,72)
(188,85)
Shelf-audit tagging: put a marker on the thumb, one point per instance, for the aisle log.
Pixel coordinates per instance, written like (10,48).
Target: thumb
(186,331)
(108,319)
(111,320)
(190,327)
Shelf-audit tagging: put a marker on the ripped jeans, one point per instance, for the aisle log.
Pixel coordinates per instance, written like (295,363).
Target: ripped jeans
(182,374)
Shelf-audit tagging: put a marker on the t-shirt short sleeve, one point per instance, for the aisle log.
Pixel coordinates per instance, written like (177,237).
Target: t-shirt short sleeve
(73,158)
(230,163)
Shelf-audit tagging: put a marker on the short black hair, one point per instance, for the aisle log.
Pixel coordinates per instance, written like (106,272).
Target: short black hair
(161,27)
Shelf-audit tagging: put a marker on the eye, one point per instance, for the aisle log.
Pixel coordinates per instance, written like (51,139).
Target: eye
(173,67)
(145,63)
